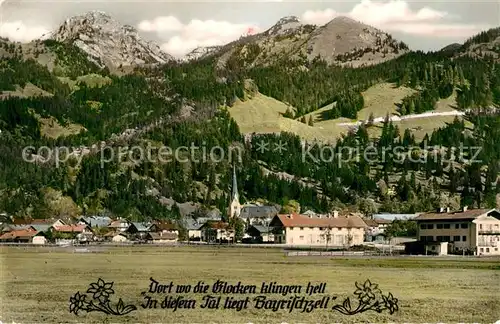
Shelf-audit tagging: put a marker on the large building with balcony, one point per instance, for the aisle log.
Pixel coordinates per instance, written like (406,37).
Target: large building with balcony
(331,230)
(474,231)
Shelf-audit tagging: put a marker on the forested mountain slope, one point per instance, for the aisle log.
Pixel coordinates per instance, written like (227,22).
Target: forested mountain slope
(180,105)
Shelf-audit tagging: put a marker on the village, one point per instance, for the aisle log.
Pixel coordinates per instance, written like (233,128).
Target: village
(443,232)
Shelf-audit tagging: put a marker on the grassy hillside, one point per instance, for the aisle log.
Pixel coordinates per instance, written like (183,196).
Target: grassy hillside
(262,114)
(51,128)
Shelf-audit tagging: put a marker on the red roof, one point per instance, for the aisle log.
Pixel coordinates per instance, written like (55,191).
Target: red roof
(70,228)
(217,225)
(18,233)
(297,220)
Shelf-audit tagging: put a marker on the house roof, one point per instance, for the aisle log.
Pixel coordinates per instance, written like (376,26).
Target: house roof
(44,221)
(391,217)
(165,226)
(297,220)
(468,214)
(258,211)
(164,236)
(119,223)
(376,222)
(25,233)
(262,229)
(14,227)
(370,222)
(70,228)
(141,227)
(216,225)
(96,221)
(209,217)
(19,221)
(192,225)
(41,227)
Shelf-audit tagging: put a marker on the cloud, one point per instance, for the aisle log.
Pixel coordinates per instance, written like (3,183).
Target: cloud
(381,13)
(19,32)
(197,33)
(161,24)
(319,17)
(396,15)
(440,30)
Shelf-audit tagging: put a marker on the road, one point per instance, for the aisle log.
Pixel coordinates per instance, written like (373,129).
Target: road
(398,118)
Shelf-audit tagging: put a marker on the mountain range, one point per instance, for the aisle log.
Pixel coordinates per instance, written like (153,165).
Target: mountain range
(94,82)
(342,41)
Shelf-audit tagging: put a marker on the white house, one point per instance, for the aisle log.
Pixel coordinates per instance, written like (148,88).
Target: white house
(119,238)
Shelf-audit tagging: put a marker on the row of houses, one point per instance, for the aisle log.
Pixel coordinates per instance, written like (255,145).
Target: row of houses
(474,231)
(465,231)
(263,224)
(87,229)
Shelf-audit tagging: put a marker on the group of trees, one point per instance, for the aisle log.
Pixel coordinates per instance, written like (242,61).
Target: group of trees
(433,75)
(71,61)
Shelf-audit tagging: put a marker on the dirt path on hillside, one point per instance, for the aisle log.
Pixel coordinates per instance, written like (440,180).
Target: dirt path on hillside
(398,118)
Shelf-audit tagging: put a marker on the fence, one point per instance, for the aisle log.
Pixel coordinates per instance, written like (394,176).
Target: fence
(338,253)
(129,248)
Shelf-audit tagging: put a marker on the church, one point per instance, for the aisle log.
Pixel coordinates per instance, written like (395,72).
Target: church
(251,214)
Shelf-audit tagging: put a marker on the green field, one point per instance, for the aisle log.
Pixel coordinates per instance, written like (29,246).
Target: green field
(37,284)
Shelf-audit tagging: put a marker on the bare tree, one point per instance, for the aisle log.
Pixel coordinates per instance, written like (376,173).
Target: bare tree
(327,235)
(349,239)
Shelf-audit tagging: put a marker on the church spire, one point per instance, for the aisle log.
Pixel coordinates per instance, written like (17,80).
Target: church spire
(234,205)
(234,189)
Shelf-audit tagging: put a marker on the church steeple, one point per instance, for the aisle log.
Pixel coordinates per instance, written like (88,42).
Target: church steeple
(234,203)
(234,188)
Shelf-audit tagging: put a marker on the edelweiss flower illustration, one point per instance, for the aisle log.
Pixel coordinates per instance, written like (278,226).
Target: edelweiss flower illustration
(77,302)
(100,301)
(369,298)
(367,291)
(101,290)
(391,303)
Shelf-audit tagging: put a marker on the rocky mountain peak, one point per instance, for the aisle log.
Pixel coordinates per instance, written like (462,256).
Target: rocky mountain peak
(284,26)
(346,41)
(344,19)
(107,42)
(288,19)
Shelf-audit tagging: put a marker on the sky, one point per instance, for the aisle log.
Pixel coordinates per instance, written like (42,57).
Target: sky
(181,26)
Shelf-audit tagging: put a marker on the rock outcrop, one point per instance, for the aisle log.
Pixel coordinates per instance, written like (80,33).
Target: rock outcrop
(107,42)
